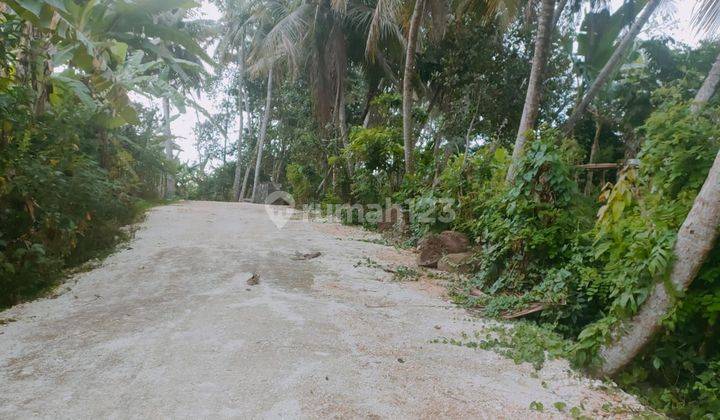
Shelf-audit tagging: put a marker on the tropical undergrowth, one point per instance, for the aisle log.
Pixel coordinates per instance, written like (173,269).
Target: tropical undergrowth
(587,267)
(67,185)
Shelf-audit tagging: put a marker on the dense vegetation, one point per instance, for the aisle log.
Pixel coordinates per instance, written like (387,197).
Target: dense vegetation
(506,108)
(79,159)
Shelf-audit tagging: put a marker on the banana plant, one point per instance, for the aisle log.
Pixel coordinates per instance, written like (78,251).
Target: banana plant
(93,40)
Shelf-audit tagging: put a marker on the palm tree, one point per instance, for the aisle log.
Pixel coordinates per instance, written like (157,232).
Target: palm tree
(534,90)
(408,136)
(263,133)
(611,65)
(695,239)
(252,154)
(241,120)
(708,87)
(236,20)
(386,19)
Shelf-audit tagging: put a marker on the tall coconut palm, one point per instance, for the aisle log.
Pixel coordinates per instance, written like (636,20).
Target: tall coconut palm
(310,38)
(253,154)
(387,16)
(263,133)
(708,87)
(241,119)
(695,239)
(407,94)
(535,84)
(612,64)
(436,11)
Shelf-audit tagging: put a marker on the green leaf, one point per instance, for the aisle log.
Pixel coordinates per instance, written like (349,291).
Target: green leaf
(118,50)
(77,87)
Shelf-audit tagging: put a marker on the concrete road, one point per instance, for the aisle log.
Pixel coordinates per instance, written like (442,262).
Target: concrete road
(169,328)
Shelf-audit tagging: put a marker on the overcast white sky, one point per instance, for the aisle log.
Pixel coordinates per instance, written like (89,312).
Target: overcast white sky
(678,27)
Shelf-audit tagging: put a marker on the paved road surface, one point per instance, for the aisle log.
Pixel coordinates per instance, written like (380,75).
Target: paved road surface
(169,328)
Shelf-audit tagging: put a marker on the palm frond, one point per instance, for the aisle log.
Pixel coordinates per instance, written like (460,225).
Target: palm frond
(384,23)
(505,10)
(284,40)
(339,6)
(706,16)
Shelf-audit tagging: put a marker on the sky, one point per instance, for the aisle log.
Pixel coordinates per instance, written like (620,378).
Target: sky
(675,22)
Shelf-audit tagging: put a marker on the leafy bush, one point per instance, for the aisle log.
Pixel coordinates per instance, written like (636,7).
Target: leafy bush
(300,185)
(527,229)
(59,205)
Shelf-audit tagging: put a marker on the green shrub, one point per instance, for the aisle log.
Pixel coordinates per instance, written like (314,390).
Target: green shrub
(60,206)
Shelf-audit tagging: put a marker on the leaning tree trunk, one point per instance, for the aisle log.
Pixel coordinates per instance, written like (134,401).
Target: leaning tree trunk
(263,132)
(408,138)
(241,119)
(246,176)
(708,87)
(169,178)
(612,64)
(342,121)
(695,240)
(594,150)
(535,83)
(558,13)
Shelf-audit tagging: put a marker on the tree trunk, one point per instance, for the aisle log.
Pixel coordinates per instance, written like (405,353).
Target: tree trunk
(535,83)
(695,240)
(371,93)
(708,87)
(558,13)
(241,119)
(170,178)
(612,64)
(246,176)
(263,133)
(593,155)
(436,158)
(467,138)
(104,148)
(408,138)
(342,121)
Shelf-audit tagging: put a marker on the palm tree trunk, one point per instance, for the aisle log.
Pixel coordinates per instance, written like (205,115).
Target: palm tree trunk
(535,84)
(241,119)
(695,240)
(436,158)
(708,87)
(263,133)
(558,13)
(342,121)
(169,178)
(612,64)
(593,155)
(371,93)
(246,176)
(253,154)
(408,138)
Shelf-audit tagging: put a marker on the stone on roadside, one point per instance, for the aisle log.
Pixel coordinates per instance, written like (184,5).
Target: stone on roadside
(454,242)
(390,218)
(456,262)
(430,250)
